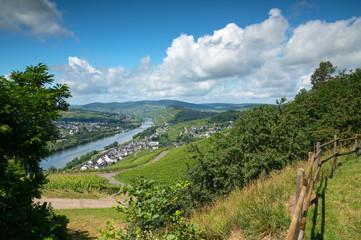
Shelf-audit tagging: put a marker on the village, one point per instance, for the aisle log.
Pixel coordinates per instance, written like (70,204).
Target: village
(67,128)
(114,155)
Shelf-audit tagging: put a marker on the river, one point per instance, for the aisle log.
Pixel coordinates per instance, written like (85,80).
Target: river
(59,159)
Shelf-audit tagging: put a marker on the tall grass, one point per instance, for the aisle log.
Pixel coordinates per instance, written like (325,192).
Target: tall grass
(259,209)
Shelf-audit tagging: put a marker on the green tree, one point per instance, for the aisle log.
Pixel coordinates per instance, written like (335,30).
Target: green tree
(322,74)
(29,104)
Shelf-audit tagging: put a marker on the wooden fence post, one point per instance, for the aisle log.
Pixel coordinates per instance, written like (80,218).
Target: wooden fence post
(317,159)
(334,151)
(300,176)
(356,147)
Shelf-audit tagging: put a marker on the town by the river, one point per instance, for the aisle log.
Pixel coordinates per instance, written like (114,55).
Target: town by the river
(59,159)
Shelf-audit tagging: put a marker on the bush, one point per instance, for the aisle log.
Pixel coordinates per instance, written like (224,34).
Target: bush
(152,213)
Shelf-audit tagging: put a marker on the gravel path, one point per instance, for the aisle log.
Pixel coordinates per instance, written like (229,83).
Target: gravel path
(66,203)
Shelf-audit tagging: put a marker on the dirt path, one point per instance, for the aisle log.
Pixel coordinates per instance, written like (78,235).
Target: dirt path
(162,154)
(110,176)
(67,203)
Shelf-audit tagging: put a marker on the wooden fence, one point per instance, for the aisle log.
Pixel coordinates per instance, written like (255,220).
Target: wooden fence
(305,183)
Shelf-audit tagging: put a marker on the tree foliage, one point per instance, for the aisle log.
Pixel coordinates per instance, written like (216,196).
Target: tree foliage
(188,115)
(322,74)
(29,103)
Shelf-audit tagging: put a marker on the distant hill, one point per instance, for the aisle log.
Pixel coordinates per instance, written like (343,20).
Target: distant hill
(146,107)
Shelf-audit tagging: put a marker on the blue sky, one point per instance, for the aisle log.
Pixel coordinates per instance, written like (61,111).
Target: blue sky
(196,51)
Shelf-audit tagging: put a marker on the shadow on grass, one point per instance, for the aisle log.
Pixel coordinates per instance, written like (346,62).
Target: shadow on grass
(320,194)
(80,235)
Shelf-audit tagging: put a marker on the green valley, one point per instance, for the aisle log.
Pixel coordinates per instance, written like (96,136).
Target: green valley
(201,174)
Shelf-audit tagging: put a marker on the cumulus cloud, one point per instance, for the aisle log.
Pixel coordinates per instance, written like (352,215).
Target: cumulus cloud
(258,63)
(33,17)
(316,40)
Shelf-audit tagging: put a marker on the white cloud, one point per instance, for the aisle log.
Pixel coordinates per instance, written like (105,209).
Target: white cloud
(317,40)
(33,17)
(258,63)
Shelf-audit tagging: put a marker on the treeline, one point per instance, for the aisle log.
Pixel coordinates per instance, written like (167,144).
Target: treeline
(229,115)
(82,159)
(188,115)
(145,133)
(269,137)
(93,119)
(80,138)
(87,136)
(81,115)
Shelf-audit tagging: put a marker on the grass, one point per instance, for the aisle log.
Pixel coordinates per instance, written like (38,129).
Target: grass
(262,208)
(259,209)
(86,223)
(337,214)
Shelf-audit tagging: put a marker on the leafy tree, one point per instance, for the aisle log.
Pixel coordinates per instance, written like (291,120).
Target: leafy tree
(52,169)
(29,104)
(322,74)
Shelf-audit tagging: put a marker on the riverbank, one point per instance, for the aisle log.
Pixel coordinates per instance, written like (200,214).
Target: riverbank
(58,160)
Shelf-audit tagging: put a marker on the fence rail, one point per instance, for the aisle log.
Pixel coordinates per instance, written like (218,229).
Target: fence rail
(305,183)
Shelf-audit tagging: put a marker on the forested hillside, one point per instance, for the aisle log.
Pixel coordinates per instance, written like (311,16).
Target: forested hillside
(270,137)
(187,114)
(147,107)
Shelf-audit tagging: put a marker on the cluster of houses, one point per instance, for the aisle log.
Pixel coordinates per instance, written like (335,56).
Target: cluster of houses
(202,131)
(71,128)
(116,154)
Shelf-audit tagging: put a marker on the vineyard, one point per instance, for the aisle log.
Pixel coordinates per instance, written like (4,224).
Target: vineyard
(168,170)
(80,183)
